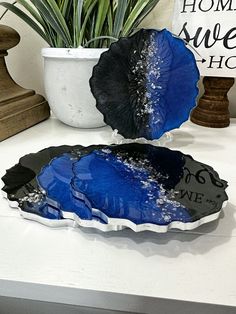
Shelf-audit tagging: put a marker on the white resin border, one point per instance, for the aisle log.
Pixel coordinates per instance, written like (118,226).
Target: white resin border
(114,224)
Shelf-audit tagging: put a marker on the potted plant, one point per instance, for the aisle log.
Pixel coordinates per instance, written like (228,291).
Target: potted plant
(77,31)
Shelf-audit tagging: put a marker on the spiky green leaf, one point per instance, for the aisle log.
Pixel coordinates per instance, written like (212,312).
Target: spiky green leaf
(25,18)
(119,18)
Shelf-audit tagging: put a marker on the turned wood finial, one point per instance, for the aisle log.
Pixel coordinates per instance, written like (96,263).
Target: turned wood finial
(20,108)
(213,108)
(9,38)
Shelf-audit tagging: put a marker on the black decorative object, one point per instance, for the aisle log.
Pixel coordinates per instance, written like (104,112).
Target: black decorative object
(146,85)
(21,184)
(112,187)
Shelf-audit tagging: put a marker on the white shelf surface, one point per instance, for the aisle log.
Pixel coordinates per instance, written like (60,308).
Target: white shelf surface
(124,270)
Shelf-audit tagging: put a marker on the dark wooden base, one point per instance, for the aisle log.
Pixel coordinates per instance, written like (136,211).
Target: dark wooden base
(22,114)
(20,108)
(214,120)
(213,108)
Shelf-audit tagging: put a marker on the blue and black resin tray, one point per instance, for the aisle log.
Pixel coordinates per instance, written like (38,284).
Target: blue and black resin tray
(138,186)
(146,85)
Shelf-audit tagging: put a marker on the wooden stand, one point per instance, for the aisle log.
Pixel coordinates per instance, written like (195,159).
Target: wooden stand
(213,108)
(19,108)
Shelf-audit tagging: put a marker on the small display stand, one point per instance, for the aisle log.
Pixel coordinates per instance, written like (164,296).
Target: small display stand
(19,108)
(213,108)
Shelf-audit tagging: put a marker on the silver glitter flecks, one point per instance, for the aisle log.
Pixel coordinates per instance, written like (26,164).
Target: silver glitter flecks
(160,201)
(167,218)
(167,198)
(146,73)
(106,151)
(35,197)
(142,170)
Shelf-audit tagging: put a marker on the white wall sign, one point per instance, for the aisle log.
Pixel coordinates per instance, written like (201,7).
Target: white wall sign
(210,27)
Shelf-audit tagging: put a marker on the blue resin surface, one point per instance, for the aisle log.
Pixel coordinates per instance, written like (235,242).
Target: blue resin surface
(111,187)
(146,85)
(172,77)
(55,180)
(147,184)
(38,205)
(126,190)
(21,185)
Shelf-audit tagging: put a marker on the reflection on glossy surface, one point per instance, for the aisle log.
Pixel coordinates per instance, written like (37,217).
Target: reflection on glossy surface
(55,179)
(21,185)
(139,186)
(201,190)
(146,85)
(147,184)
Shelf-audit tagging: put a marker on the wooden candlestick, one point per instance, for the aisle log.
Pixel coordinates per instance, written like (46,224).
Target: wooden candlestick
(213,108)
(19,108)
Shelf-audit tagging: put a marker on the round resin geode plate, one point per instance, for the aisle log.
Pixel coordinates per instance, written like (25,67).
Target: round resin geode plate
(138,186)
(21,188)
(54,181)
(134,185)
(146,85)
(23,192)
(148,188)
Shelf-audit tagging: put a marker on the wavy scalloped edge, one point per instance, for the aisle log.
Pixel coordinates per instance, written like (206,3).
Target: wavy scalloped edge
(185,116)
(113,224)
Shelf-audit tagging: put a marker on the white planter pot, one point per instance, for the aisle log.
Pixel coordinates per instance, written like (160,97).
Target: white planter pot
(66,78)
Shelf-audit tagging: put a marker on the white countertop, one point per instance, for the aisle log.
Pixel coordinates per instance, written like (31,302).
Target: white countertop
(120,270)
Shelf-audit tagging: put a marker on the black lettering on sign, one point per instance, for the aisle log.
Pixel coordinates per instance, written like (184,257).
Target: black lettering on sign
(230,63)
(214,61)
(187,4)
(222,4)
(206,6)
(191,6)
(211,35)
(228,38)
(221,61)
(208,37)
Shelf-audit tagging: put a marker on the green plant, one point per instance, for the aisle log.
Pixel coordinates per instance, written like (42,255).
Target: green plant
(87,23)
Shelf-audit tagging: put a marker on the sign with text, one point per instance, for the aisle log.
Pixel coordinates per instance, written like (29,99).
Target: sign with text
(210,28)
